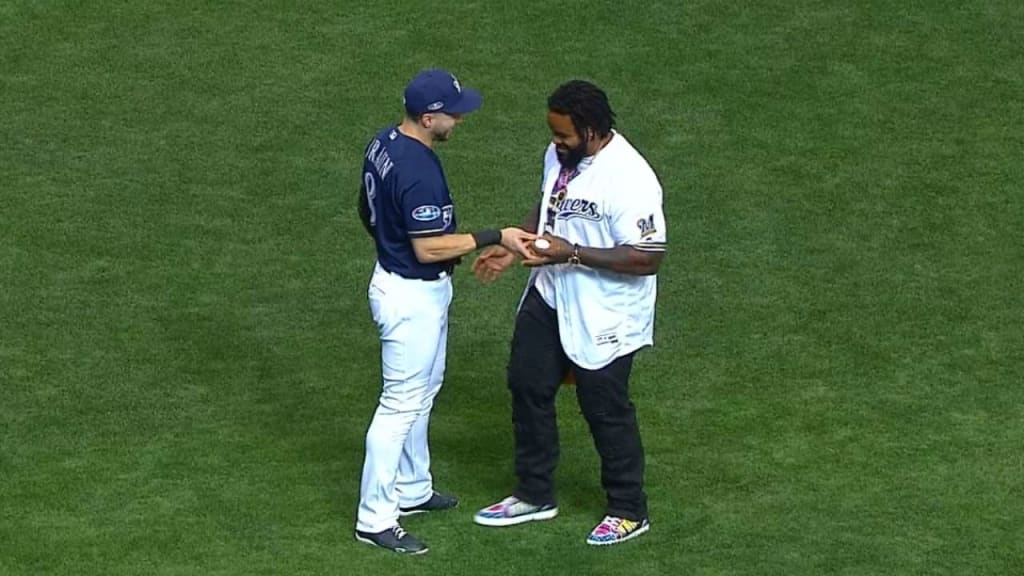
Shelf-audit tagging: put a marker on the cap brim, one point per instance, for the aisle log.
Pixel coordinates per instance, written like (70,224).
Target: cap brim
(470,101)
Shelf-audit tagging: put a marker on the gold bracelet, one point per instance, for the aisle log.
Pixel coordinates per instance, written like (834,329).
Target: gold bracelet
(575,258)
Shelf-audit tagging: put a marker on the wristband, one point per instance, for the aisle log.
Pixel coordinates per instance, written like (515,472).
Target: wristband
(486,237)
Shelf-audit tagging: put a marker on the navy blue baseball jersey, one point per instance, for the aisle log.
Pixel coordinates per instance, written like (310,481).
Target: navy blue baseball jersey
(405,195)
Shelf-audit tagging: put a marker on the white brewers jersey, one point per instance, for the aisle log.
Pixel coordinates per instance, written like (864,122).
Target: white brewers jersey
(614,200)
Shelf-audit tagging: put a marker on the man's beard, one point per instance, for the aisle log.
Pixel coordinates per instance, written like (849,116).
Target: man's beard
(443,136)
(571,157)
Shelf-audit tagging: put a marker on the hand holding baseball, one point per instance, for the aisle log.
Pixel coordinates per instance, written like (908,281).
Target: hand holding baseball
(548,250)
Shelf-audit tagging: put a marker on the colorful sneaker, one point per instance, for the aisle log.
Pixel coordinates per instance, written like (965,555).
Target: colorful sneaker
(613,530)
(437,502)
(512,510)
(395,539)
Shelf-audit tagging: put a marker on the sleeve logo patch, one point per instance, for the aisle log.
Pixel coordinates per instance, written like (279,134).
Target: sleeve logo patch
(426,213)
(646,226)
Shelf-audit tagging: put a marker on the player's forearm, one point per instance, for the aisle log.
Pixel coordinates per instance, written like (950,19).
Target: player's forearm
(451,246)
(441,248)
(621,259)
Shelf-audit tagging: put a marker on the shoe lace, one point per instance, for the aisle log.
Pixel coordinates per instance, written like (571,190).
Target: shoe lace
(613,522)
(399,532)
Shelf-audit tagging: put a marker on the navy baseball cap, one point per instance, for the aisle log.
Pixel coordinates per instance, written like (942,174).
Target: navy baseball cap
(439,91)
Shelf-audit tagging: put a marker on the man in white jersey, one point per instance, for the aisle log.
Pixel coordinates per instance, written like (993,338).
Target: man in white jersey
(588,307)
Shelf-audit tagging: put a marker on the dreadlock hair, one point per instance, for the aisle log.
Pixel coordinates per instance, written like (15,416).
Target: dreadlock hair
(587,106)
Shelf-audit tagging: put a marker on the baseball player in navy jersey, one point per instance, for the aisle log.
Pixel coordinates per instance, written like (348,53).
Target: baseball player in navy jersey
(588,307)
(406,207)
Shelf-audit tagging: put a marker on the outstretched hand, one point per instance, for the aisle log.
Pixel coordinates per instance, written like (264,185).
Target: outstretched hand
(492,262)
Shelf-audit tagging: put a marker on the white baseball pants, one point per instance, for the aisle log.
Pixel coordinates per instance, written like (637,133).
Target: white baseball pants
(412,317)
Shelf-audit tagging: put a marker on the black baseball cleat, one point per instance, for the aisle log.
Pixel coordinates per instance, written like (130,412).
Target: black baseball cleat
(395,539)
(436,502)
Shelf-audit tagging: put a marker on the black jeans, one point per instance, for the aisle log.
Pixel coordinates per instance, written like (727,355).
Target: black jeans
(535,372)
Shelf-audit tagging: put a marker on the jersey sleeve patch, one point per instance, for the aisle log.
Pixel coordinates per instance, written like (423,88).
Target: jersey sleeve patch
(426,213)
(440,223)
(641,225)
(647,227)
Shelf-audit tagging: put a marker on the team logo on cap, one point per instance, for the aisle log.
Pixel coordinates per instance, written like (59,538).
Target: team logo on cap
(455,82)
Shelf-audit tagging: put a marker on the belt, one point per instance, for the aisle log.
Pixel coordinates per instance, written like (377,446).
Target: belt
(426,277)
(430,277)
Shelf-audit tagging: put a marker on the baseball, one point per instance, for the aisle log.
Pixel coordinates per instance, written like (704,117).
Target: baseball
(542,244)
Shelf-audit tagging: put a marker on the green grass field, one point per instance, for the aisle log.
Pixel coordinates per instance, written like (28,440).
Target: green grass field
(188,365)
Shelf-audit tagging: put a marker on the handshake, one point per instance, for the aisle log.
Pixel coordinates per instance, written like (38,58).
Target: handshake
(533,249)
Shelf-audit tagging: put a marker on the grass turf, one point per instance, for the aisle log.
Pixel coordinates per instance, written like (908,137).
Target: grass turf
(187,364)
